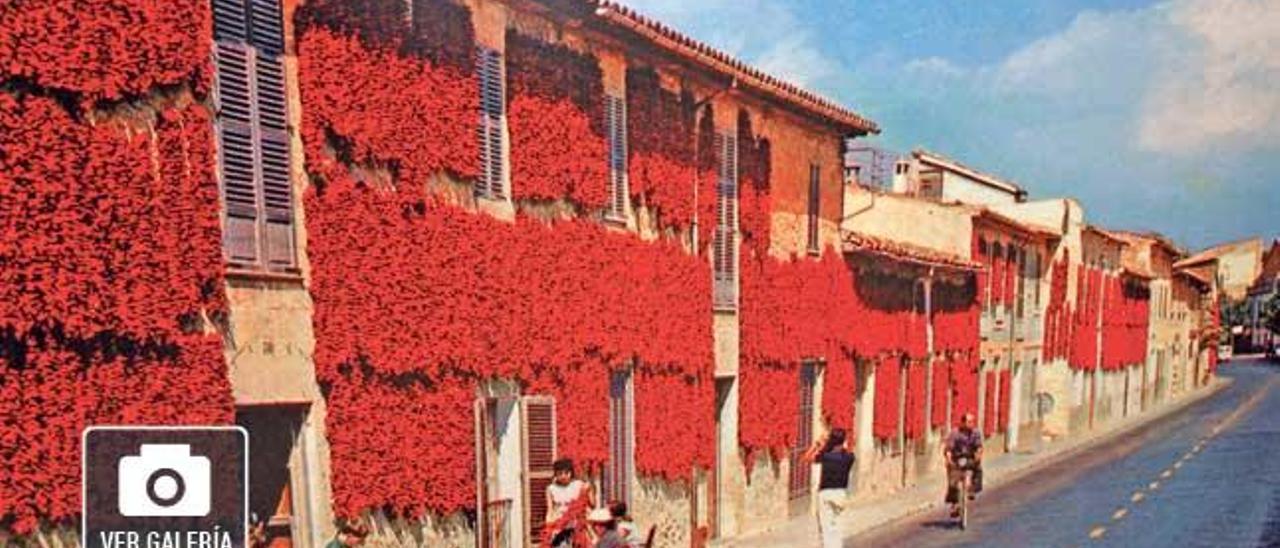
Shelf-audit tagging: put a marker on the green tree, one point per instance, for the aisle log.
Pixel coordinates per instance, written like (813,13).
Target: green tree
(1271,313)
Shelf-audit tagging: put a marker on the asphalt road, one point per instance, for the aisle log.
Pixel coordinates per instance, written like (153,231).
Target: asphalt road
(1206,476)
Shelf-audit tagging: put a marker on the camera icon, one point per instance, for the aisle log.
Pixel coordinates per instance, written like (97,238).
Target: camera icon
(164,480)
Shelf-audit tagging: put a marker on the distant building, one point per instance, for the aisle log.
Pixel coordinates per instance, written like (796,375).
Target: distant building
(1264,288)
(933,176)
(1238,265)
(1170,325)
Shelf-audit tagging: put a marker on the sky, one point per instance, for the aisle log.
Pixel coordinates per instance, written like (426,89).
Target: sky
(1155,115)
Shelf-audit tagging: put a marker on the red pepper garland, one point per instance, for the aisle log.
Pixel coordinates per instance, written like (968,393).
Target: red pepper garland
(1006,390)
(989,407)
(1125,320)
(106,49)
(672,423)
(964,375)
(405,445)
(1058,317)
(1084,331)
(941,386)
(888,380)
(660,144)
(91,320)
(792,311)
(359,97)
(555,307)
(839,387)
(555,117)
(914,421)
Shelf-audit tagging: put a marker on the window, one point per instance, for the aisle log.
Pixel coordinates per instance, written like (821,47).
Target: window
(253,138)
(616,122)
(489,68)
(620,468)
(539,431)
(725,260)
(1035,278)
(984,251)
(815,196)
(798,486)
(995,286)
(1018,260)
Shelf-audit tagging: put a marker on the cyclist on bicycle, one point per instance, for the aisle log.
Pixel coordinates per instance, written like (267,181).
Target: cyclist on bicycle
(963,451)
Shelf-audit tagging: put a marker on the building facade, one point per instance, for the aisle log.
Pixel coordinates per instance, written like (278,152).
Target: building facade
(1262,292)
(423,249)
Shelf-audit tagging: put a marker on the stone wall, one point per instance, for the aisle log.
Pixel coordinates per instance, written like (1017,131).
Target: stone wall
(666,506)
(764,497)
(445,532)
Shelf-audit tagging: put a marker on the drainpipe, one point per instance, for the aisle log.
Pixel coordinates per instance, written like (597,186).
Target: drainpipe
(929,348)
(903,381)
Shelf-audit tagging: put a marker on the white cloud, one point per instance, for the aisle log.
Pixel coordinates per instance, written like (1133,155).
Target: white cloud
(1226,87)
(795,59)
(1097,53)
(934,66)
(1173,78)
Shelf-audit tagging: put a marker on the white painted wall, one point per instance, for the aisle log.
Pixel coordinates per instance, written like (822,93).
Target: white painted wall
(958,188)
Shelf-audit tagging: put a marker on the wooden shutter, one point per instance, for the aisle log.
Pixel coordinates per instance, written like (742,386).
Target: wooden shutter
(254,143)
(616,122)
(725,261)
(814,197)
(266,26)
(236,150)
(492,111)
(620,467)
(230,21)
(539,414)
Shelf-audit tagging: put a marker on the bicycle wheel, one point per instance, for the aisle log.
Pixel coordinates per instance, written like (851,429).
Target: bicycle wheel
(964,504)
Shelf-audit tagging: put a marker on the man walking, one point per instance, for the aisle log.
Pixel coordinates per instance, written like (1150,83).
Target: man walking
(836,460)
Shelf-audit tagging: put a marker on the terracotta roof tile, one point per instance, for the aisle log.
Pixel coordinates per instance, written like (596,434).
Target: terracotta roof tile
(1029,228)
(699,52)
(856,242)
(1217,251)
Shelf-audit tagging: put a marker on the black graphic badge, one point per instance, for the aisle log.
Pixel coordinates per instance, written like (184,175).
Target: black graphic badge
(172,487)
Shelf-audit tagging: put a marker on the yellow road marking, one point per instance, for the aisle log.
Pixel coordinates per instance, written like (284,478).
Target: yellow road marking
(1097,532)
(1120,514)
(1137,496)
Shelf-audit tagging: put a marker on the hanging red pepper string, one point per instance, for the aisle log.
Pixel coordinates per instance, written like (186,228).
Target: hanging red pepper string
(92,323)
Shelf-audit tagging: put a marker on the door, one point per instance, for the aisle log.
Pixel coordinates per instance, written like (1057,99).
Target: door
(799,486)
(494,510)
(620,468)
(274,469)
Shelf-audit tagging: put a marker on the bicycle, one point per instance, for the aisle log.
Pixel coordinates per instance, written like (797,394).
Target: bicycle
(963,487)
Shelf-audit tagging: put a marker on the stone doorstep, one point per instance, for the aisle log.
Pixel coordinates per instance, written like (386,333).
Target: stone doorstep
(865,515)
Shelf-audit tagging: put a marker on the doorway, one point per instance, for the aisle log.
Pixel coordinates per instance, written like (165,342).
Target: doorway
(277,478)
(801,480)
(515,451)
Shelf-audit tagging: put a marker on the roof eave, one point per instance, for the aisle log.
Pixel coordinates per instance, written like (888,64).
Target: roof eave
(701,54)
